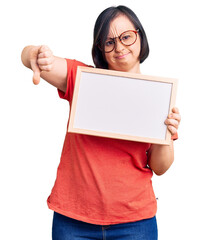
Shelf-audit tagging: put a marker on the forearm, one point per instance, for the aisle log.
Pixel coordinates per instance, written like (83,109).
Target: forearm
(51,68)
(160,157)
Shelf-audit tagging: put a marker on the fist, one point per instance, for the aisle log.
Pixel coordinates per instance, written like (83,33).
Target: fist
(41,59)
(173,121)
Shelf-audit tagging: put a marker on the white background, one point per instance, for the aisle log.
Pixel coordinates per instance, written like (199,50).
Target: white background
(33,118)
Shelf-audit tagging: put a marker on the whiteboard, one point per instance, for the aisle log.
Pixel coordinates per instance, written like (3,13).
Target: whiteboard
(122,105)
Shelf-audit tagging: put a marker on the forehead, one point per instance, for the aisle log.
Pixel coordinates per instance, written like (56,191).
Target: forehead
(120,24)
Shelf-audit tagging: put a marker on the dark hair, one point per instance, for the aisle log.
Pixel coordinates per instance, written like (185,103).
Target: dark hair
(101,31)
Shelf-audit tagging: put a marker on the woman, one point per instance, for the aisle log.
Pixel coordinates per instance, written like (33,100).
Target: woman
(103,188)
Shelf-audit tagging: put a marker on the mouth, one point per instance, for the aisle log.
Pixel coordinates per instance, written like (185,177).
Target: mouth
(122,56)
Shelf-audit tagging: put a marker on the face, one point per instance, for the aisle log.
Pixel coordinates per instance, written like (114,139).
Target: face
(123,58)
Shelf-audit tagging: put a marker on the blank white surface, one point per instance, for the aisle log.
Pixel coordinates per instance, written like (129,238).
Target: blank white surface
(122,105)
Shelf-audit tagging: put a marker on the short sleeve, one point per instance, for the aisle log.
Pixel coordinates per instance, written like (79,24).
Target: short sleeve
(71,77)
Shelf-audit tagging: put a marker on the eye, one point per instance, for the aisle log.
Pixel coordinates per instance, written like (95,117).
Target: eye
(126,37)
(109,43)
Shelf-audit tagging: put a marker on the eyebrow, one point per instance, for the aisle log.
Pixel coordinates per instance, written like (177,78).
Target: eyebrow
(109,37)
(112,38)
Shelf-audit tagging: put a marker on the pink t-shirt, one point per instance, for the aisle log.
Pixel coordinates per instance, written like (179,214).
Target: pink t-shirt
(101,180)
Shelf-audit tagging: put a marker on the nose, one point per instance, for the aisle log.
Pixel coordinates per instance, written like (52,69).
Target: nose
(118,45)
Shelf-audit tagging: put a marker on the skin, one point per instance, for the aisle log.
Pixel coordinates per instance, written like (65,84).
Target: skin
(44,64)
(123,58)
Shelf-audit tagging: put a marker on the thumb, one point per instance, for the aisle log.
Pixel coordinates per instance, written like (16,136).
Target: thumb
(36,77)
(36,72)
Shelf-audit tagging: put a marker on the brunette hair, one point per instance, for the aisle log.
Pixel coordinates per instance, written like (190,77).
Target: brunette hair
(101,31)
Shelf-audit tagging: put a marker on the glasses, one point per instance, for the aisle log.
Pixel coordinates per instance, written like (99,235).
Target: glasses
(127,38)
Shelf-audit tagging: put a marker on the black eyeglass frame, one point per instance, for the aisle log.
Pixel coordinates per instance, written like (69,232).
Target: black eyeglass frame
(119,37)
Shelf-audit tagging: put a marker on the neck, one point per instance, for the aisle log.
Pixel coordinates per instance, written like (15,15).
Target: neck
(135,69)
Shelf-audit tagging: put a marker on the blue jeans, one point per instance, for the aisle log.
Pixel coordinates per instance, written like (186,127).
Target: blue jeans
(65,228)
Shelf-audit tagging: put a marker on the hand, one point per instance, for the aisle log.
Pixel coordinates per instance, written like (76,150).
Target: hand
(173,121)
(41,59)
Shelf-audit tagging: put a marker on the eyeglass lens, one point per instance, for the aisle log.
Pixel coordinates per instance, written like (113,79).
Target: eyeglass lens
(127,38)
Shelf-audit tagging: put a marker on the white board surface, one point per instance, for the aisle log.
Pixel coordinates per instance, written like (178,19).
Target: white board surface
(134,107)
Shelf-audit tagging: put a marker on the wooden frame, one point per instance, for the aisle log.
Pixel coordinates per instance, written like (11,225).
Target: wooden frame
(122,105)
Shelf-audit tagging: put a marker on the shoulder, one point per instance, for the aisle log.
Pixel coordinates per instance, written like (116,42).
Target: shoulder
(73,64)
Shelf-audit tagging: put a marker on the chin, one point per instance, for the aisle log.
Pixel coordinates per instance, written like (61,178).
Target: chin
(118,66)
(125,67)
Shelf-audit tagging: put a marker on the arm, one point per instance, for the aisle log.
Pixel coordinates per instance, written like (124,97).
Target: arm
(43,64)
(161,157)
